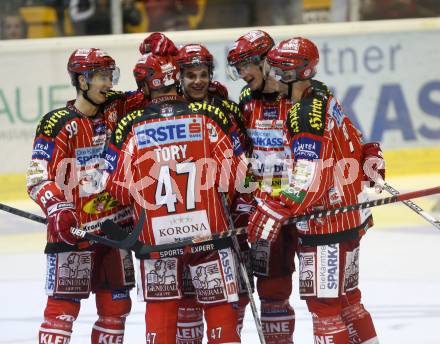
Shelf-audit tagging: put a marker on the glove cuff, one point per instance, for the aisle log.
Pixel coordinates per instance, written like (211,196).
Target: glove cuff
(59,206)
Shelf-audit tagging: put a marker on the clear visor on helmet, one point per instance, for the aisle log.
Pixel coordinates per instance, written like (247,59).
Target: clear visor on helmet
(235,70)
(104,75)
(279,74)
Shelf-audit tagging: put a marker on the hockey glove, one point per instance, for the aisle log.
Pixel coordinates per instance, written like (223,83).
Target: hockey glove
(218,89)
(373,164)
(265,223)
(243,207)
(61,217)
(158,44)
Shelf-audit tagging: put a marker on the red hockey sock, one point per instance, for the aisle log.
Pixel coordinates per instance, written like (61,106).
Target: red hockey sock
(330,329)
(360,325)
(278,321)
(189,322)
(59,316)
(240,308)
(221,322)
(161,322)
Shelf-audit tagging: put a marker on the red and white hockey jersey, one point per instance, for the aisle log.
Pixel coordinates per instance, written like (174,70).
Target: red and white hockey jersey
(67,160)
(172,159)
(327,171)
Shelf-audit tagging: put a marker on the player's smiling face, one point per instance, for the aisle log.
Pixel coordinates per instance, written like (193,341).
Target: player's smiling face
(252,74)
(100,84)
(195,82)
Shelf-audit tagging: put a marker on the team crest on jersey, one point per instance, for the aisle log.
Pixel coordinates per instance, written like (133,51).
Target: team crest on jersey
(208,282)
(212,132)
(167,111)
(161,278)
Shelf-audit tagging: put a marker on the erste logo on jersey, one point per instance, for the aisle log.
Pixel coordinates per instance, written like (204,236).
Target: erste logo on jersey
(165,132)
(267,138)
(306,148)
(43,149)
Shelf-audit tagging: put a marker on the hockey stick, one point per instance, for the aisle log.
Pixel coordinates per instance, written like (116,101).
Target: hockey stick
(410,204)
(381,201)
(23,213)
(184,247)
(125,243)
(148,249)
(243,271)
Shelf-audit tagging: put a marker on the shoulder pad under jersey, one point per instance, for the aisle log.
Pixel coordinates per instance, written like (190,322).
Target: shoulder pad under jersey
(307,116)
(214,112)
(320,89)
(51,124)
(123,127)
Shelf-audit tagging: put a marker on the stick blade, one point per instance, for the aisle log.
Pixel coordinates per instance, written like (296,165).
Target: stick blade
(113,230)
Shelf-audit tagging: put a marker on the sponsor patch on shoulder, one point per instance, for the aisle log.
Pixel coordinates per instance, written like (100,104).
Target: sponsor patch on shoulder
(43,149)
(306,148)
(111,160)
(238,149)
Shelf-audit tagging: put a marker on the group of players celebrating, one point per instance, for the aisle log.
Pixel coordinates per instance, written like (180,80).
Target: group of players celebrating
(195,163)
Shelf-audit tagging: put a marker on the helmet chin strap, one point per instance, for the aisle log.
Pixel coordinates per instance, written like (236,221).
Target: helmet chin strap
(86,97)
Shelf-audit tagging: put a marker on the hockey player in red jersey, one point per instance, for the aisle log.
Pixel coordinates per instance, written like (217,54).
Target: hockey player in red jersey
(326,172)
(160,162)
(64,178)
(264,112)
(196,70)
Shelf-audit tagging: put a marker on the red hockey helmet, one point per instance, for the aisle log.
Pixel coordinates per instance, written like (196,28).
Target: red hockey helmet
(89,61)
(194,55)
(292,59)
(251,47)
(156,71)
